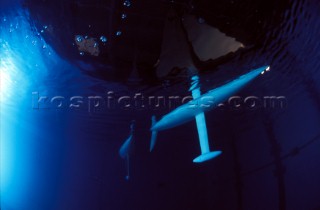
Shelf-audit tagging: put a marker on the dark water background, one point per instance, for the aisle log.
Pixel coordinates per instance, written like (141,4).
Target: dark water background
(66,159)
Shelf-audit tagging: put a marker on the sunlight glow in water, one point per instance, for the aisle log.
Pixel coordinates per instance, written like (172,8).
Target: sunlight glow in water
(22,67)
(28,64)
(7,82)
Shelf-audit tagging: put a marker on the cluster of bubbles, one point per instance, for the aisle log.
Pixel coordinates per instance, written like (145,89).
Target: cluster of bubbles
(34,41)
(127,3)
(43,29)
(11,26)
(123,16)
(79,38)
(104,39)
(118,33)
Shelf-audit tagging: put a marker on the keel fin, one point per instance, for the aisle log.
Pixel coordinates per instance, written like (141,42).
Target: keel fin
(153,134)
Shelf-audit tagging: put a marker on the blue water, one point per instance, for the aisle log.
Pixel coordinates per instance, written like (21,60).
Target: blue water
(58,158)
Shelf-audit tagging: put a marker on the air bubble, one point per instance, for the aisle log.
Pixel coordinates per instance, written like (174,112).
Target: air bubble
(103,39)
(118,33)
(81,53)
(79,38)
(127,3)
(123,16)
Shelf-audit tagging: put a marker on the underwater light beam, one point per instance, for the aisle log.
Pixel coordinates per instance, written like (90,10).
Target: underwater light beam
(5,78)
